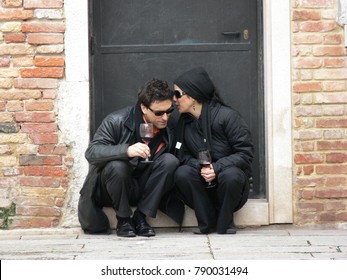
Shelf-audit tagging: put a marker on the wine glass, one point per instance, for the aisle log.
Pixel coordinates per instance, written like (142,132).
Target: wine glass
(204,158)
(146,134)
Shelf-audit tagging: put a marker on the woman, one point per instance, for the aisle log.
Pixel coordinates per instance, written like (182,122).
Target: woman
(207,123)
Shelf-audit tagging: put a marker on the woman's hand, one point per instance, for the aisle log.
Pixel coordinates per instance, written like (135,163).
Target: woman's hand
(208,173)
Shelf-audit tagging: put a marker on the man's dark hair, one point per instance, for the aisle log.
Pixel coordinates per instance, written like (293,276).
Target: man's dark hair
(155,90)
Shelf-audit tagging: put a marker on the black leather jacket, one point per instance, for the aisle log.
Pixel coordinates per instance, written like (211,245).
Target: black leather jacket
(111,142)
(115,134)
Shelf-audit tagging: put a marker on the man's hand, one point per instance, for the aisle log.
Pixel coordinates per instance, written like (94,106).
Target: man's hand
(139,150)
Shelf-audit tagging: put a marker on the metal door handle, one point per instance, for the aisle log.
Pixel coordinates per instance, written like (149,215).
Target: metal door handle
(232,34)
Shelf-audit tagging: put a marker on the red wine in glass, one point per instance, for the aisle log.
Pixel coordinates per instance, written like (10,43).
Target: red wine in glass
(146,134)
(205,160)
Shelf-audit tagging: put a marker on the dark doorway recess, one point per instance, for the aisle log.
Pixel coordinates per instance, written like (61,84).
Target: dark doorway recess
(133,41)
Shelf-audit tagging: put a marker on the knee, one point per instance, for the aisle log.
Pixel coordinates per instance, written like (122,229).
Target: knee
(168,161)
(183,173)
(116,168)
(232,177)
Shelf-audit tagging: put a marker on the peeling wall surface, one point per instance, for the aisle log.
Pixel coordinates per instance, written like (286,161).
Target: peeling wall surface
(73,101)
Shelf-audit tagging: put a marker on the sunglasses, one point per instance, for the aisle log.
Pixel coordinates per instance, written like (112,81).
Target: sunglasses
(179,94)
(160,113)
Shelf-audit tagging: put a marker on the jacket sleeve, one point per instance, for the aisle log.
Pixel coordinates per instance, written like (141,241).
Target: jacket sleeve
(240,140)
(106,144)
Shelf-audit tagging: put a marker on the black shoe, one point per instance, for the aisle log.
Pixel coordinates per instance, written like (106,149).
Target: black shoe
(141,225)
(198,231)
(230,230)
(125,228)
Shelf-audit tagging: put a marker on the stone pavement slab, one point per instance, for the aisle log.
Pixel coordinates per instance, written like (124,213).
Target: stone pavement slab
(263,243)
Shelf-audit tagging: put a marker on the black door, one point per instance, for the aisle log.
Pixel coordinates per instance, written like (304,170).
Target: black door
(133,41)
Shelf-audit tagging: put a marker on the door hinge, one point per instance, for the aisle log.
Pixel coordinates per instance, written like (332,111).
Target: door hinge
(92,45)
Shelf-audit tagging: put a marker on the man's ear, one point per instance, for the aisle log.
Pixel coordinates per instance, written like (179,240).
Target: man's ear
(143,109)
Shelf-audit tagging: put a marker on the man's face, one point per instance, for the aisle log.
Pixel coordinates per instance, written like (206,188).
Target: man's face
(158,113)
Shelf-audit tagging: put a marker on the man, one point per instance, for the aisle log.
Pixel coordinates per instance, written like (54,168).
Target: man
(117,177)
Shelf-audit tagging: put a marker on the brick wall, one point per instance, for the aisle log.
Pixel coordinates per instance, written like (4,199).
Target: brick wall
(319,113)
(34,164)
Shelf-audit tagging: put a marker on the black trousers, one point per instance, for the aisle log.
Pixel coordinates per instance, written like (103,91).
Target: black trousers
(214,208)
(121,188)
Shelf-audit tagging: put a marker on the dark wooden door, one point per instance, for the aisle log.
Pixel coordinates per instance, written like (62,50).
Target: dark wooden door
(133,41)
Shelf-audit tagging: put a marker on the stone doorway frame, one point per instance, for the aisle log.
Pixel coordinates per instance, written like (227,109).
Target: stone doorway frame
(73,112)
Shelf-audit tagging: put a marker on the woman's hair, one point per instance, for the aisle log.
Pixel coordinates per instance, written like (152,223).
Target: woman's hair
(154,90)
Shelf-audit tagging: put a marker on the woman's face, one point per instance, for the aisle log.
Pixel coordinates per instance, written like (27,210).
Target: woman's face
(183,102)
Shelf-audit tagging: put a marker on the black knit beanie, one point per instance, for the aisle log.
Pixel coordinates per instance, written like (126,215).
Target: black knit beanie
(197,84)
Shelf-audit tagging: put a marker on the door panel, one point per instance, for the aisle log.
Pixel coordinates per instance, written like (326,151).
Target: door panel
(136,40)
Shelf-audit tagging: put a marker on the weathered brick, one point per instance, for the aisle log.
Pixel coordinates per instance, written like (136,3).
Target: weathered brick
(19,61)
(310,206)
(334,206)
(320,26)
(43,117)
(308,158)
(336,158)
(16,138)
(38,211)
(42,72)
(49,61)
(44,138)
(44,27)
(9,73)
(12,171)
(310,182)
(39,127)
(331,123)
(8,127)
(14,37)
(334,62)
(331,145)
(316,3)
(15,14)
(16,49)
(11,26)
(330,98)
(331,193)
(39,160)
(328,50)
(31,4)
(50,182)
(43,192)
(52,149)
(306,15)
(15,106)
(49,13)
(331,169)
(8,161)
(39,83)
(12,3)
(334,86)
(309,63)
(6,117)
(20,94)
(50,49)
(6,83)
(31,222)
(5,150)
(336,181)
(43,38)
(40,105)
(50,171)
(5,61)
(27,149)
